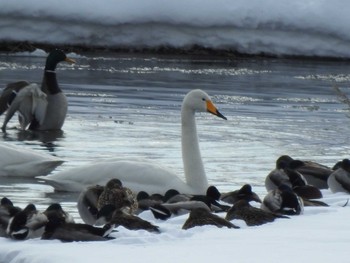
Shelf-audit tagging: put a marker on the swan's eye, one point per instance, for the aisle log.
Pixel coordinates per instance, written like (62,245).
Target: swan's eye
(203,99)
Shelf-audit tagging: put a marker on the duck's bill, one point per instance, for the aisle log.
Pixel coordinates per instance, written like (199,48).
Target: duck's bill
(213,110)
(69,60)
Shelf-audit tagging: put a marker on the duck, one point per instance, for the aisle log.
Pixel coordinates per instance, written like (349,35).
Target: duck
(121,197)
(283,200)
(313,173)
(252,216)
(56,210)
(87,203)
(7,211)
(177,204)
(26,224)
(41,108)
(165,210)
(143,175)
(245,193)
(58,228)
(145,201)
(339,180)
(287,173)
(202,217)
(109,214)
(18,161)
(93,198)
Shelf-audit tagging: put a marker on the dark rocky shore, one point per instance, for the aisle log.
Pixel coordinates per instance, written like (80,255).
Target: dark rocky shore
(12,47)
(194,51)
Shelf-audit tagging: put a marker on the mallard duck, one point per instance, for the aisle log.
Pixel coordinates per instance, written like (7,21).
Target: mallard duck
(201,217)
(109,214)
(251,215)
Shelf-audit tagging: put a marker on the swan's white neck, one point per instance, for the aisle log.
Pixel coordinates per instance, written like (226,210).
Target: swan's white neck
(191,156)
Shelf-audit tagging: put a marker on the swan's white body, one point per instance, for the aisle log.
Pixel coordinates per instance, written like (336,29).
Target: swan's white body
(143,175)
(22,162)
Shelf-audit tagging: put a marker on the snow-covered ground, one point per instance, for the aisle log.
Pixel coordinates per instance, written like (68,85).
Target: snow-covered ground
(321,234)
(300,27)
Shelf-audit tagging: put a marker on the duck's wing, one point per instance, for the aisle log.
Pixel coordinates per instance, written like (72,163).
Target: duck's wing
(31,104)
(342,177)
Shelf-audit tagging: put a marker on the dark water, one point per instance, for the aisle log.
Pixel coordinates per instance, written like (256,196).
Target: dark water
(127,106)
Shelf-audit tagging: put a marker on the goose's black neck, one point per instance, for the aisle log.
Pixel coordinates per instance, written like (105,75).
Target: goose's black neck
(50,84)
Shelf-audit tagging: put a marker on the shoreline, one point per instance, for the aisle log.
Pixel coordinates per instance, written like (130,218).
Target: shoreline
(195,51)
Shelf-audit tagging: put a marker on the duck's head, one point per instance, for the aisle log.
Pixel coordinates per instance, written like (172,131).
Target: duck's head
(198,100)
(56,56)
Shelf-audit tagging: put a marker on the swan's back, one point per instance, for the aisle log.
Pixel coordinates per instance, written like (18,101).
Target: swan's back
(136,175)
(22,162)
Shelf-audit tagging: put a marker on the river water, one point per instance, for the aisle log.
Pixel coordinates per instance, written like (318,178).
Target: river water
(129,106)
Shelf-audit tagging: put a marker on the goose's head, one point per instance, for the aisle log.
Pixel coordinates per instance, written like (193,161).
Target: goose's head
(56,56)
(198,100)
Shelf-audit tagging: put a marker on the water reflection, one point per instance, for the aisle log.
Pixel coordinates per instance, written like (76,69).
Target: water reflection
(48,139)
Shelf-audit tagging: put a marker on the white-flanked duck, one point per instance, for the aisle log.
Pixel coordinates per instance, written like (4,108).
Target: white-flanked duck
(26,224)
(43,108)
(283,200)
(7,211)
(339,180)
(143,175)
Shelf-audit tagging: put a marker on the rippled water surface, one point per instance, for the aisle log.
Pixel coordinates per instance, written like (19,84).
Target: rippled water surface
(127,106)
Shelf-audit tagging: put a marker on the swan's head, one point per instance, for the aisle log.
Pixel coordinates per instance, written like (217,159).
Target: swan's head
(198,100)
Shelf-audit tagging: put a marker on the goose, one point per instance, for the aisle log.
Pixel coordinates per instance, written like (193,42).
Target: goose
(18,161)
(144,175)
(43,108)
(339,180)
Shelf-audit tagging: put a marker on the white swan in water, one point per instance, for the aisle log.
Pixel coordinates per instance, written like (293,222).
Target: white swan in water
(143,175)
(22,162)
